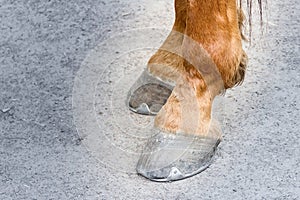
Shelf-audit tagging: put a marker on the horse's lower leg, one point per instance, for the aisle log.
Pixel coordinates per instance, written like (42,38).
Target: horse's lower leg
(212,59)
(214,25)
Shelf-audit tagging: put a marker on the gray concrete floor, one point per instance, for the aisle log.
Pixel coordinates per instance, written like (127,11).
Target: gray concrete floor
(42,46)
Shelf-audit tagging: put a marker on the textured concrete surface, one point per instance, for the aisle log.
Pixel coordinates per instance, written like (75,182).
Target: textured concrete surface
(42,46)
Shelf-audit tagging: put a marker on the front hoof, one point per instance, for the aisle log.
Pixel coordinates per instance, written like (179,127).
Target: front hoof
(171,157)
(148,94)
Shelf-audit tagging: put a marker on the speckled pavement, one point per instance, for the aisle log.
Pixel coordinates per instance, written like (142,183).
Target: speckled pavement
(42,156)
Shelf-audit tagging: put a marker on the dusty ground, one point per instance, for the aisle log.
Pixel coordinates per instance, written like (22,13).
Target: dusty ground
(42,47)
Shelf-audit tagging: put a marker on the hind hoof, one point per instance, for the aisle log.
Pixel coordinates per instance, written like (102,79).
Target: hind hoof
(148,94)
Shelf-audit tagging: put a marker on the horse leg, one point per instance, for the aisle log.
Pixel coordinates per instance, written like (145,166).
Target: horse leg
(212,34)
(153,88)
(215,26)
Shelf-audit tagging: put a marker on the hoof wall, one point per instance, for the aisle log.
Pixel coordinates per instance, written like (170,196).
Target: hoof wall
(171,157)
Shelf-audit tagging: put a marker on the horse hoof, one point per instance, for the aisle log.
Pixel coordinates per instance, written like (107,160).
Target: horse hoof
(171,157)
(148,94)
